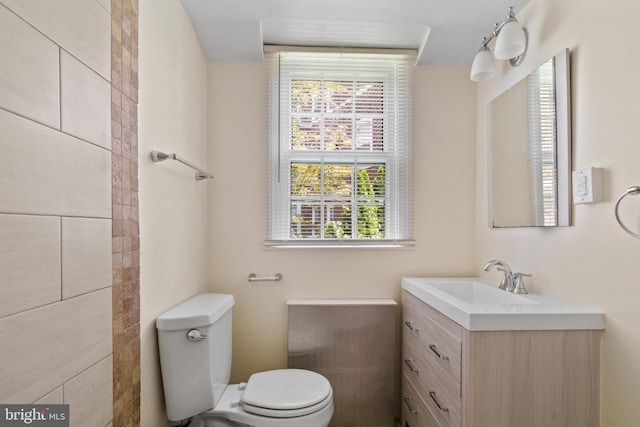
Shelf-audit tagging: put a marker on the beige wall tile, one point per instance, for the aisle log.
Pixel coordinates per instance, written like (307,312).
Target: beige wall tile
(55,397)
(29,71)
(47,172)
(85,102)
(81,27)
(45,347)
(106,4)
(90,395)
(44,171)
(29,262)
(86,255)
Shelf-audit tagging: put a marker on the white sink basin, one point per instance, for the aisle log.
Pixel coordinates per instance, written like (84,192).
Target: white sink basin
(478,305)
(473,291)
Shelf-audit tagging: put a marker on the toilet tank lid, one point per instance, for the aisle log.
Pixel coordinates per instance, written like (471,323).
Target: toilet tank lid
(197,312)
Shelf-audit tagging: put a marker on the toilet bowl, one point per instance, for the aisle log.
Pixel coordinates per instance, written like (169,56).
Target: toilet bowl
(194,340)
(280,398)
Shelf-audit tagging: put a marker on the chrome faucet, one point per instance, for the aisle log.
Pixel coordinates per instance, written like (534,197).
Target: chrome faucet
(507,282)
(511,282)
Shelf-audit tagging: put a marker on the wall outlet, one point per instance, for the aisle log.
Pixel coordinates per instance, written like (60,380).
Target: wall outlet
(587,185)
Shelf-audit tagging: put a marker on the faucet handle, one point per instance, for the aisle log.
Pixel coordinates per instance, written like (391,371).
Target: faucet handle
(518,283)
(506,283)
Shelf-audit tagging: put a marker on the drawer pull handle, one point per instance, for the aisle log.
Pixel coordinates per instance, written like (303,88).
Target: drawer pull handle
(432,395)
(410,326)
(433,348)
(406,402)
(410,365)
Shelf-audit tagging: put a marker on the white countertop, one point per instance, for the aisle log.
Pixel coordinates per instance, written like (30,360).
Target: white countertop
(478,305)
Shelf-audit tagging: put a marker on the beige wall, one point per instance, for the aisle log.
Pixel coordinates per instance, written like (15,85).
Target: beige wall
(444,138)
(173,205)
(592,262)
(55,209)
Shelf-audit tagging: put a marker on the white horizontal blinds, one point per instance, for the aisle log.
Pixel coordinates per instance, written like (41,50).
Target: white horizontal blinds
(542,143)
(336,115)
(343,148)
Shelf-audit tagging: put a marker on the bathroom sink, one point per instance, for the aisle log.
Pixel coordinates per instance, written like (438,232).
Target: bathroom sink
(473,291)
(477,304)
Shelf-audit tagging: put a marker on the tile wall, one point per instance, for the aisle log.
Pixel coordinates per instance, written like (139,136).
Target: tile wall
(126,227)
(55,207)
(69,255)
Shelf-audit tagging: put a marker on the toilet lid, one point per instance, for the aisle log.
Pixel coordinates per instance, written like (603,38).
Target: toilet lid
(286,390)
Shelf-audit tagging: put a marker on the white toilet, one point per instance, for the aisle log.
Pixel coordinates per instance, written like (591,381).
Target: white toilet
(194,340)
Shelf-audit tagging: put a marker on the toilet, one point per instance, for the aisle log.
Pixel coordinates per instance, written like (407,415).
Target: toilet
(194,340)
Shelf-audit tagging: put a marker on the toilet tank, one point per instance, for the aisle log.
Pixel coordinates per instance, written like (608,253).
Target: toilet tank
(196,369)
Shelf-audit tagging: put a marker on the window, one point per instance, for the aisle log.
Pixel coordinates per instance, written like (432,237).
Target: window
(339,149)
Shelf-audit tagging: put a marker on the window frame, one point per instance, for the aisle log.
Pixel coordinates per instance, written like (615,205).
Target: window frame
(395,155)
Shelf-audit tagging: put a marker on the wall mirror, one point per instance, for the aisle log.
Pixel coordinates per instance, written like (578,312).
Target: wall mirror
(530,149)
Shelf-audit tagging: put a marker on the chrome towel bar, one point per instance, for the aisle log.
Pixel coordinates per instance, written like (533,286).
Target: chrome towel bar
(275,278)
(158,156)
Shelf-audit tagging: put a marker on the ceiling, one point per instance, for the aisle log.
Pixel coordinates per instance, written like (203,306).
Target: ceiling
(443,32)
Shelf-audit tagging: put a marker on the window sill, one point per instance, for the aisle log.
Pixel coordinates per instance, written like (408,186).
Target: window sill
(340,244)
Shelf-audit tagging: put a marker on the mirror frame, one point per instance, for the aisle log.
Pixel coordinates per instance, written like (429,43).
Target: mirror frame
(563,144)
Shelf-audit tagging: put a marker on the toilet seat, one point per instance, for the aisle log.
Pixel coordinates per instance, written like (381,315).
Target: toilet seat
(286,393)
(288,413)
(229,411)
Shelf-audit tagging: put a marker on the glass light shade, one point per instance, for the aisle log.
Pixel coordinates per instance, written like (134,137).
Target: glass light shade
(511,41)
(483,67)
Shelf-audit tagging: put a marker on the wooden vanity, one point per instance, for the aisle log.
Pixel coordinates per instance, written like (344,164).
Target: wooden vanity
(454,377)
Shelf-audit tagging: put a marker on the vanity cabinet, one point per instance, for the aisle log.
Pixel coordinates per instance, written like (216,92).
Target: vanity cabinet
(453,377)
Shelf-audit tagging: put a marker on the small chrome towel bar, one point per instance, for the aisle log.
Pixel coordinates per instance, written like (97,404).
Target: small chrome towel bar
(275,278)
(157,156)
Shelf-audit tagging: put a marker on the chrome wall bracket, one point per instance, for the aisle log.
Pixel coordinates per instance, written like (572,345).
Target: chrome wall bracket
(158,156)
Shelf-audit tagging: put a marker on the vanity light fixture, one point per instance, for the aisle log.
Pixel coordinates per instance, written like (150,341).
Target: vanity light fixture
(511,44)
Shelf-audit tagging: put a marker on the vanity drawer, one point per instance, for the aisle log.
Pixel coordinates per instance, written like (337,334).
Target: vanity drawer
(443,321)
(439,337)
(414,411)
(438,390)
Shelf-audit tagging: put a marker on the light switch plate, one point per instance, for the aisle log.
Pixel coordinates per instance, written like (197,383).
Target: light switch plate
(587,185)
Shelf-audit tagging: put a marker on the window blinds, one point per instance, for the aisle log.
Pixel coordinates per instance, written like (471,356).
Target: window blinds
(339,149)
(542,144)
